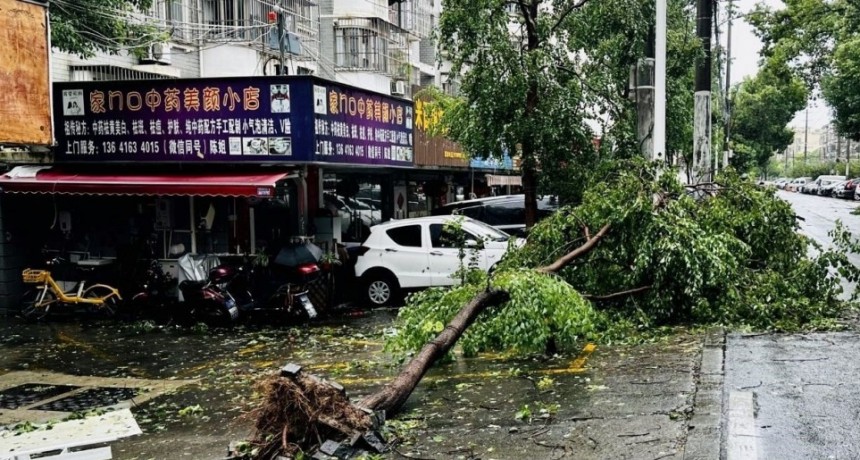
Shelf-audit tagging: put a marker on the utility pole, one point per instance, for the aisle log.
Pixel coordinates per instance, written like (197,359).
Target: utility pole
(806,135)
(660,83)
(281,68)
(728,102)
(847,157)
(643,75)
(702,108)
(838,145)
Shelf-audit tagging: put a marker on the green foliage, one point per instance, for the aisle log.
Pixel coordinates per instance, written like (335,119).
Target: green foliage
(762,108)
(729,255)
(819,40)
(541,307)
(84,27)
(841,89)
(530,92)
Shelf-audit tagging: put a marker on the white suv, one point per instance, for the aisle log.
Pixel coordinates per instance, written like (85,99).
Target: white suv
(419,253)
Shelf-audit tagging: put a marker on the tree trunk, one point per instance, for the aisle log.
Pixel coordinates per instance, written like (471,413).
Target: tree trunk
(392,397)
(529,165)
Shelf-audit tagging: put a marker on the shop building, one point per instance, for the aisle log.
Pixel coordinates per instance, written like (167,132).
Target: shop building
(230,166)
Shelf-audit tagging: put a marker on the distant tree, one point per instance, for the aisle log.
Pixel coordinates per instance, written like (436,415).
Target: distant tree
(841,89)
(819,40)
(84,27)
(763,107)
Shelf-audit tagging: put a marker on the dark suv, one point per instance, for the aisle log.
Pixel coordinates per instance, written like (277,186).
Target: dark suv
(506,213)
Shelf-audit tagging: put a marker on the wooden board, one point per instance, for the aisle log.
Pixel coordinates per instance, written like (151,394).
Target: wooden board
(25,105)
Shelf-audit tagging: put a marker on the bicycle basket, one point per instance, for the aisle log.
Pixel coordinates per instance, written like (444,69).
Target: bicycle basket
(35,276)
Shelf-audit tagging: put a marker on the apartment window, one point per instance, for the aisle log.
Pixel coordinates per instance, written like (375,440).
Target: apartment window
(358,48)
(225,17)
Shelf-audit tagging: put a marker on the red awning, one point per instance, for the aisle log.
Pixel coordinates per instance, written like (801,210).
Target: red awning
(41,180)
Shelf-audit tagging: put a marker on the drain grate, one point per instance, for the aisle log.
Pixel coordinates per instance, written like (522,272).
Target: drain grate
(89,399)
(29,393)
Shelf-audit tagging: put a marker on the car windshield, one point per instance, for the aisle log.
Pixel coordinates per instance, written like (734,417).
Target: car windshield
(491,232)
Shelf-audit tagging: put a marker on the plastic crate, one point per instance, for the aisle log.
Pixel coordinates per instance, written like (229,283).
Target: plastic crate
(35,276)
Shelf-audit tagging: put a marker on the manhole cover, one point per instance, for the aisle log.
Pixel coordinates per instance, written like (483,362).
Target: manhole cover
(89,399)
(29,393)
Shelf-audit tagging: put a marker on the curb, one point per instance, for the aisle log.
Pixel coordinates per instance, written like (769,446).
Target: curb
(703,428)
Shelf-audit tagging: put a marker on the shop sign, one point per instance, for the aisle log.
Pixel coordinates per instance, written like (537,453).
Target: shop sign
(354,126)
(436,149)
(257,119)
(505,163)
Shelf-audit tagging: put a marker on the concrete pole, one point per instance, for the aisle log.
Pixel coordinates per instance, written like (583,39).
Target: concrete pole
(660,82)
(728,87)
(643,75)
(806,135)
(702,108)
(847,156)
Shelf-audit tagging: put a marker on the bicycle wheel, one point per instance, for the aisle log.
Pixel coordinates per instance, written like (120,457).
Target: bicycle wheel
(110,305)
(37,302)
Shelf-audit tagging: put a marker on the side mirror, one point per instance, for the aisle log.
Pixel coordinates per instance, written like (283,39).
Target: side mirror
(472,244)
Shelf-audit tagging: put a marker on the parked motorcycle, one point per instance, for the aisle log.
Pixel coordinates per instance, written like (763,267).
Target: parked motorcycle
(152,296)
(272,290)
(203,298)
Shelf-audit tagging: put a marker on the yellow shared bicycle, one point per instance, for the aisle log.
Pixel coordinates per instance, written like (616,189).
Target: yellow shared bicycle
(47,294)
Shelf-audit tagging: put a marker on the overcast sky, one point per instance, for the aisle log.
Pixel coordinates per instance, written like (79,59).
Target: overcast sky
(745,49)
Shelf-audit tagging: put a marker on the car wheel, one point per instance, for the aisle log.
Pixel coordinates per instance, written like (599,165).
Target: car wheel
(381,289)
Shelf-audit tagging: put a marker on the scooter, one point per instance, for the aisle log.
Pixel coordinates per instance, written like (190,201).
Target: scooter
(274,290)
(204,301)
(152,295)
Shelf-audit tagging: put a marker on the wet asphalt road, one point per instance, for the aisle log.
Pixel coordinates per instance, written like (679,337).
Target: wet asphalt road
(619,402)
(801,392)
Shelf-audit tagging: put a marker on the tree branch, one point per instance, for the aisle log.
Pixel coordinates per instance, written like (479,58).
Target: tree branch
(564,14)
(562,261)
(616,295)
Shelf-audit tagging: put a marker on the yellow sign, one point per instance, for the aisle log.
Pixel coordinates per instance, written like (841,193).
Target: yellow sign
(450,154)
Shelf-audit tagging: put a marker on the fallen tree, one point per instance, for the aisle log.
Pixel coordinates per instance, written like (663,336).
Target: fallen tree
(301,411)
(730,257)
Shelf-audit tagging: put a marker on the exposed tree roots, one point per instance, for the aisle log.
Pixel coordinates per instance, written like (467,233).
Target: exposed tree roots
(301,412)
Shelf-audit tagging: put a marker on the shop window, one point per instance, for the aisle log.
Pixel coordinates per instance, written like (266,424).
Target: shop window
(408,236)
(355,199)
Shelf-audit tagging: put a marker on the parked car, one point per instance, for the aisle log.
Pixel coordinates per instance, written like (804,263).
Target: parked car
(828,188)
(356,216)
(847,190)
(823,180)
(780,183)
(796,184)
(506,213)
(418,253)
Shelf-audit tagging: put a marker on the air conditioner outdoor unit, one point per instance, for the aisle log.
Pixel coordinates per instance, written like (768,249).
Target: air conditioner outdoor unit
(158,53)
(398,88)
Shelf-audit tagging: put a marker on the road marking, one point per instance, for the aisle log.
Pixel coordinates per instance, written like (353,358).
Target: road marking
(741,443)
(580,360)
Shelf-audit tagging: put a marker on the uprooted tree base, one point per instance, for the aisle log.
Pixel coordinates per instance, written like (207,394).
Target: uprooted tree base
(301,411)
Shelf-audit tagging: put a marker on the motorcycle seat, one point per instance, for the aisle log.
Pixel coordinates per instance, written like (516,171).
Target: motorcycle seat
(191,284)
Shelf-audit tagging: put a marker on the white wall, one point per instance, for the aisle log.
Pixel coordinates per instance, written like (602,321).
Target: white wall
(231,61)
(367,80)
(361,8)
(184,62)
